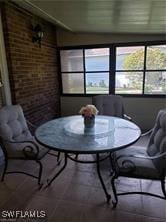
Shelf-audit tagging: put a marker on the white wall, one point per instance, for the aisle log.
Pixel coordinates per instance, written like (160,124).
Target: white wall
(142,110)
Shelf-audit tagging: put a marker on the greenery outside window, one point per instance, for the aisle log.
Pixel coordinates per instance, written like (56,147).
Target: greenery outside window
(129,70)
(155,76)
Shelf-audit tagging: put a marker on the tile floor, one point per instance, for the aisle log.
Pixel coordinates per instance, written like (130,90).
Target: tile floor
(77,196)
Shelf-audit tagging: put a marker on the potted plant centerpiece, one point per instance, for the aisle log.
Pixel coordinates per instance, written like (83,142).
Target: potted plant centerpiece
(88,112)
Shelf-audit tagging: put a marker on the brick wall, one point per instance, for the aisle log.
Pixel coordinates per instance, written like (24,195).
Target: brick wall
(32,70)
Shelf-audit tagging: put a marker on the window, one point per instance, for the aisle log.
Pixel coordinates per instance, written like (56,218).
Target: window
(131,70)
(97,71)
(72,71)
(155,76)
(141,70)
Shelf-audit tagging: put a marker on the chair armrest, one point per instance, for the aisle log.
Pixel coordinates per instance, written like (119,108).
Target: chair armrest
(144,156)
(30,151)
(127,117)
(147,133)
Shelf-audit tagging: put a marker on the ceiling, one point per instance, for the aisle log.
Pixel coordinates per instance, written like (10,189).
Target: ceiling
(94,16)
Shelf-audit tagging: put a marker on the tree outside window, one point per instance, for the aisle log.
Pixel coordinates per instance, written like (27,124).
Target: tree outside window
(155,75)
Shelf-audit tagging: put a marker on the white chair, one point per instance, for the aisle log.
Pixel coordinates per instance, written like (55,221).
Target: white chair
(17,141)
(144,162)
(111,105)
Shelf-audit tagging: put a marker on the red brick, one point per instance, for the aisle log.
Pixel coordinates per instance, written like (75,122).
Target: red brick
(32,70)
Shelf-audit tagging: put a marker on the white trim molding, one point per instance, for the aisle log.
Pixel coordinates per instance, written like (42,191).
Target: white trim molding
(4,68)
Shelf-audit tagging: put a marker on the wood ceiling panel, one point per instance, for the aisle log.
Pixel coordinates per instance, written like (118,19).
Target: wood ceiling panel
(113,16)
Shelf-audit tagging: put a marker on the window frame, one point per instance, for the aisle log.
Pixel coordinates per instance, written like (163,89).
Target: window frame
(112,67)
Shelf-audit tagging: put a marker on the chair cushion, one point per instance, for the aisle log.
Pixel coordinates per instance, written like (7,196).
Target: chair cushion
(13,126)
(109,105)
(157,143)
(136,167)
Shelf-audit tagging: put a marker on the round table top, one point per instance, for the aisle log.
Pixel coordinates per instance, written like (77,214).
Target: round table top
(68,134)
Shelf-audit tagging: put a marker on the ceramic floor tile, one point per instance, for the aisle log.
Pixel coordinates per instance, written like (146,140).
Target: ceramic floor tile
(106,213)
(154,207)
(13,181)
(45,204)
(128,184)
(15,202)
(130,203)
(151,186)
(77,196)
(106,178)
(67,211)
(81,166)
(5,194)
(96,213)
(82,178)
(56,190)
(119,216)
(77,193)
(28,189)
(49,162)
(97,196)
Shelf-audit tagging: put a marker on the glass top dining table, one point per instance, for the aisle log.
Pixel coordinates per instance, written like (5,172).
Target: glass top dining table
(69,135)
